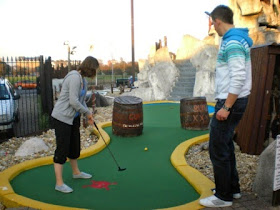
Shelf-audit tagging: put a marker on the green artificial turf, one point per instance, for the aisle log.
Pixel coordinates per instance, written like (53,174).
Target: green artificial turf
(149,181)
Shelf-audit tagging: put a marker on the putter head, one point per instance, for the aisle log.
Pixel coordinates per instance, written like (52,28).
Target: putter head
(122,169)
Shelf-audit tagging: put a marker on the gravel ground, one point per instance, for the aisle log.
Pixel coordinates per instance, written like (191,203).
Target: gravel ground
(197,156)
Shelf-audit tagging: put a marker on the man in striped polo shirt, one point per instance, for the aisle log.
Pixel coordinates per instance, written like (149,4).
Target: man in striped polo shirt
(232,88)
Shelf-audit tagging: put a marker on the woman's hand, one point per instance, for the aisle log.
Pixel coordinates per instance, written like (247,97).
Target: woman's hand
(90,119)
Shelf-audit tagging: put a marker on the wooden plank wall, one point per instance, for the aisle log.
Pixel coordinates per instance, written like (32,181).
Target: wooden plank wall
(251,130)
(266,103)
(247,130)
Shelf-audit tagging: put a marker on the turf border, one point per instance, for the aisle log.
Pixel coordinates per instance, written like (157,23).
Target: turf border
(200,182)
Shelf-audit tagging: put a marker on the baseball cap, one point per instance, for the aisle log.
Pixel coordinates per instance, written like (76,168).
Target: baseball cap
(208,13)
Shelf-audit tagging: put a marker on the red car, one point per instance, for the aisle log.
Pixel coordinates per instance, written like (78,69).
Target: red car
(25,84)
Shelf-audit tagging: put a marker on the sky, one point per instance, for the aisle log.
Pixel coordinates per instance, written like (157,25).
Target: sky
(100,28)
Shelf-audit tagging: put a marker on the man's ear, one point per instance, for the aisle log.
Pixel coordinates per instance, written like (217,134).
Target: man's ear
(218,21)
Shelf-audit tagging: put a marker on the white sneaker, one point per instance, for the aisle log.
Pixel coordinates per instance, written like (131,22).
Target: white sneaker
(63,188)
(82,175)
(213,201)
(234,195)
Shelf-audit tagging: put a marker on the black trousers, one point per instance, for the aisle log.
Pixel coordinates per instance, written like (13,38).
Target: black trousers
(68,143)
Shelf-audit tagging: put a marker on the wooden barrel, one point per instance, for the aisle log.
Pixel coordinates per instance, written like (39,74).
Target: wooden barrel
(127,116)
(194,113)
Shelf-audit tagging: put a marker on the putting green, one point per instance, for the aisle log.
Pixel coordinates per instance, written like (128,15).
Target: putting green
(150,180)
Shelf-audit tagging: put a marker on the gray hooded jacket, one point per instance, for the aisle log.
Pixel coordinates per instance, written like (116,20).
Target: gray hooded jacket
(69,101)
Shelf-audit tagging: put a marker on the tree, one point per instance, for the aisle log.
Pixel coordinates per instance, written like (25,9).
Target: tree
(129,69)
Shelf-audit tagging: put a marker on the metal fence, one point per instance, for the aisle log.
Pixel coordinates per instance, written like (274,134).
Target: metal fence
(31,79)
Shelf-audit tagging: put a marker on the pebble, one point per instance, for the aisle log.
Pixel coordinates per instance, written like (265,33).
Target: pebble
(198,158)
(88,138)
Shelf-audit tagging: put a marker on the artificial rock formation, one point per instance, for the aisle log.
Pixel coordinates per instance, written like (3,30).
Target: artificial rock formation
(157,76)
(189,46)
(261,17)
(263,184)
(205,61)
(155,81)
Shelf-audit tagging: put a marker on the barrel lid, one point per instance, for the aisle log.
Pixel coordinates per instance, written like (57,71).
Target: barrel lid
(128,100)
(194,98)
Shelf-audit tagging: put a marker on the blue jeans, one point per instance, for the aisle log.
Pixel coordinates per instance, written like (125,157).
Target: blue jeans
(221,149)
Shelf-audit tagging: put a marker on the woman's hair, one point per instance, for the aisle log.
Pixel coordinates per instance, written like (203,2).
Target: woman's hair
(224,13)
(88,67)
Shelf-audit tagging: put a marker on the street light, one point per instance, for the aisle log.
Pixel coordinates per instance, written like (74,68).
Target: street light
(69,52)
(132,39)
(113,62)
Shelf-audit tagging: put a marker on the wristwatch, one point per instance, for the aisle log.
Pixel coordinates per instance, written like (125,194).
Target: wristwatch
(226,108)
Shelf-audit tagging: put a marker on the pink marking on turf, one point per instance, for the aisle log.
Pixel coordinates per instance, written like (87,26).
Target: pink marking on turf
(100,184)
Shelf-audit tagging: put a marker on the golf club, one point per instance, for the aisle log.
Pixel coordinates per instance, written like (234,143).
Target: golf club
(120,169)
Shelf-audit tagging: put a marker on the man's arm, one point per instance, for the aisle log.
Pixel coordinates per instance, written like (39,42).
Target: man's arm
(223,114)
(237,72)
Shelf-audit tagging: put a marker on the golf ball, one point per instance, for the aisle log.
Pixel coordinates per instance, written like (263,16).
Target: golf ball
(146,149)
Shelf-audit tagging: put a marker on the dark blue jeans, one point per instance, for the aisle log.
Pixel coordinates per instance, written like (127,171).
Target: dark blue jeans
(221,149)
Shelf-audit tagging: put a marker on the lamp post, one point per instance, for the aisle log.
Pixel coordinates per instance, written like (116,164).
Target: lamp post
(113,62)
(132,40)
(69,52)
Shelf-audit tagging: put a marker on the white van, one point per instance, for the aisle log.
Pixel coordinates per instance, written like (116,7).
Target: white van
(9,112)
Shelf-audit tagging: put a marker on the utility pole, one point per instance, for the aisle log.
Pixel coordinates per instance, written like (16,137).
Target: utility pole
(112,71)
(69,63)
(69,52)
(132,40)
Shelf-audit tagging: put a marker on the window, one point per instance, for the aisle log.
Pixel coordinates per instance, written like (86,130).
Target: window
(4,94)
(12,90)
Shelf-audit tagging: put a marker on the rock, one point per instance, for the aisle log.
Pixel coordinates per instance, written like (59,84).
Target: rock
(189,47)
(205,62)
(161,78)
(142,77)
(269,14)
(205,146)
(110,99)
(155,83)
(146,94)
(253,13)
(268,142)
(152,55)
(142,63)
(100,101)
(31,146)
(263,183)
(205,59)
(265,35)
(249,7)
(205,85)
(162,55)
(2,152)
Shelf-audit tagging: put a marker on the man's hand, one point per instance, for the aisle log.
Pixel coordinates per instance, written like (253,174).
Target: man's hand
(222,114)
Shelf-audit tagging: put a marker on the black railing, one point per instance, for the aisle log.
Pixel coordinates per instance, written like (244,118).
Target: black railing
(31,78)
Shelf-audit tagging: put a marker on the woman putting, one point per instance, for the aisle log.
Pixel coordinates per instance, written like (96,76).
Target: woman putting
(66,114)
